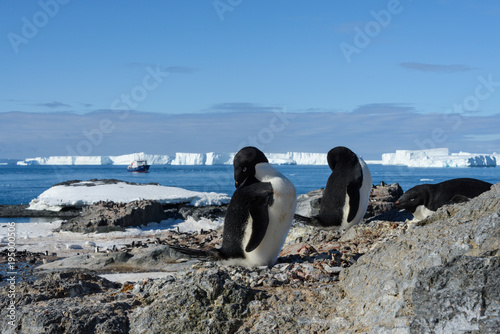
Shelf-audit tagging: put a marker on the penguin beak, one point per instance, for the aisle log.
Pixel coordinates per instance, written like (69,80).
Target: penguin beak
(236,184)
(397,204)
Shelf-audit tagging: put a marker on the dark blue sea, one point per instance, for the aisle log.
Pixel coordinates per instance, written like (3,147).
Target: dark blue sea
(21,184)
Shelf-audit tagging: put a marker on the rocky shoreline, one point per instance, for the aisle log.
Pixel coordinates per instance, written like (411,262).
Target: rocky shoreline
(22,211)
(391,275)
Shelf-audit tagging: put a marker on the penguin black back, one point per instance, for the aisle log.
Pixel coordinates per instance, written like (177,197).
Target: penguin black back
(346,194)
(346,177)
(424,199)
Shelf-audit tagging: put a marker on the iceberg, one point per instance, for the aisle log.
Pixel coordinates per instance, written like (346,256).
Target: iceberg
(438,157)
(180,158)
(297,158)
(189,159)
(219,158)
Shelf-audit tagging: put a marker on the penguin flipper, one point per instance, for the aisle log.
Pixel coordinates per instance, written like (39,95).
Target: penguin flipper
(260,216)
(353,193)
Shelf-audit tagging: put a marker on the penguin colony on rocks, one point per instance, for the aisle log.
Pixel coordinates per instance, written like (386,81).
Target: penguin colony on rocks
(262,207)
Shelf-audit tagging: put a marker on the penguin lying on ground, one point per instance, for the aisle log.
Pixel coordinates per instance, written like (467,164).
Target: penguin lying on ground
(423,200)
(259,214)
(346,194)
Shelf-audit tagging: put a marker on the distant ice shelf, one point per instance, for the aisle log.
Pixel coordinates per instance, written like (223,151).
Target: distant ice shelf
(211,158)
(439,157)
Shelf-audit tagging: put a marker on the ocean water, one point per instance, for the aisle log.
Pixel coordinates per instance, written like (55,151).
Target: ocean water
(21,184)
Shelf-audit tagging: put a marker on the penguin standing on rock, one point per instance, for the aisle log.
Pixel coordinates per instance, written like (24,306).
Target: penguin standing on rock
(259,214)
(346,194)
(424,199)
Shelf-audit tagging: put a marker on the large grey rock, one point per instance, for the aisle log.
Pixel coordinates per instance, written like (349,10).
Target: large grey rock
(379,289)
(72,302)
(160,257)
(462,295)
(308,205)
(111,216)
(207,303)
(382,199)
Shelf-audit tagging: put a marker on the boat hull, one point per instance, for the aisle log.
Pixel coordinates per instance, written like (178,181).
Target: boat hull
(138,169)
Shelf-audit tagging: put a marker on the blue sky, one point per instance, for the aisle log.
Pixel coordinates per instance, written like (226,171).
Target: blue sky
(204,76)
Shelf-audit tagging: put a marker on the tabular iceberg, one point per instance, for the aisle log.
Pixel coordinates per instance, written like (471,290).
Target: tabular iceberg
(211,158)
(438,157)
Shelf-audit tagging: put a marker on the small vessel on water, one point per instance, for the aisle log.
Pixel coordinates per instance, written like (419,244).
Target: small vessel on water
(138,166)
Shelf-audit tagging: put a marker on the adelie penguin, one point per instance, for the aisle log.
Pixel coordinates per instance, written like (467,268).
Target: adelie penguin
(259,214)
(346,194)
(423,200)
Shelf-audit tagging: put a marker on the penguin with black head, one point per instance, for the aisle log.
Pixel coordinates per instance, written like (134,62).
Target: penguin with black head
(259,214)
(346,193)
(424,199)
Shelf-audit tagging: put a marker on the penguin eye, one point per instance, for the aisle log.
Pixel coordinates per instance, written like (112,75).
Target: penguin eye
(244,169)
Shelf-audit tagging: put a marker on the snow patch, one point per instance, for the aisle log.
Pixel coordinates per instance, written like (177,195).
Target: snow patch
(88,192)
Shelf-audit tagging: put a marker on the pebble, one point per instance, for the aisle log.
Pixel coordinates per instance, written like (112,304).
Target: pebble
(73,246)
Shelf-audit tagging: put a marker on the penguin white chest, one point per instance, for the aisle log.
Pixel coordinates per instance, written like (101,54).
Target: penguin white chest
(280,214)
(422,212)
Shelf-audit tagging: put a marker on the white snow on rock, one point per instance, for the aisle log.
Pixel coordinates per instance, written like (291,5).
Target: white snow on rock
(438,157)
(88,192)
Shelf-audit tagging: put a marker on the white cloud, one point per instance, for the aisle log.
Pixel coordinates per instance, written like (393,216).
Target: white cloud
(452,68)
